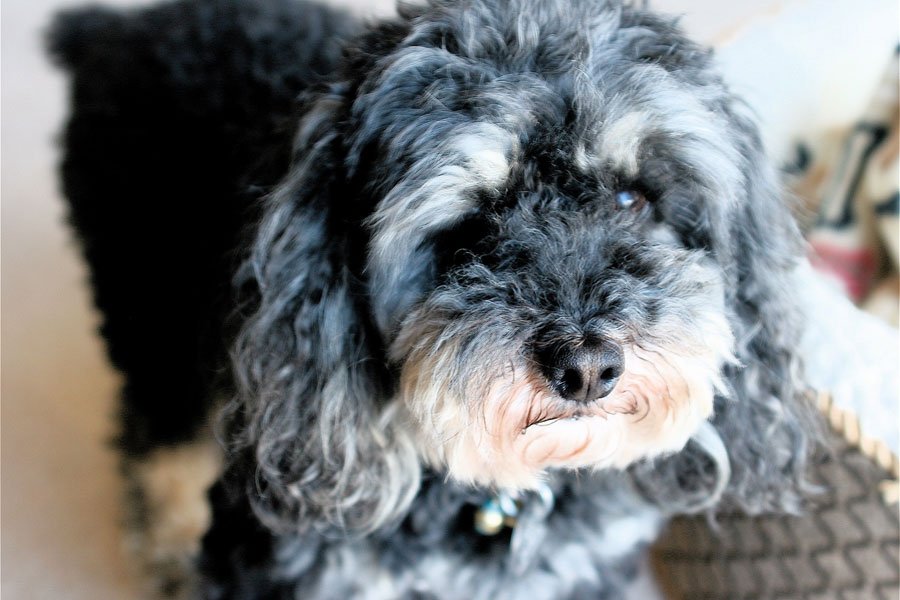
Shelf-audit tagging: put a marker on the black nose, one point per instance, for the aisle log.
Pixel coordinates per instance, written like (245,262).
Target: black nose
(582,373)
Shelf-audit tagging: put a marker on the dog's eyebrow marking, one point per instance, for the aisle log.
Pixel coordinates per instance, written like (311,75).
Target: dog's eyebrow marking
(622,139)
(663,108)
(441,188)
(487,161)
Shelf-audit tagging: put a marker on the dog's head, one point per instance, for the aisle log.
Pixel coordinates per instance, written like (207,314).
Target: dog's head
(520,236)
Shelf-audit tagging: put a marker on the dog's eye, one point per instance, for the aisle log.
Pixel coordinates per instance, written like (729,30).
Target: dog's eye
(632,200)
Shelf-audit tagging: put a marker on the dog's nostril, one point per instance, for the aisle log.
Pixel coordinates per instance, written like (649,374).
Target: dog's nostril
(572,379)
(585,373)
(600,367)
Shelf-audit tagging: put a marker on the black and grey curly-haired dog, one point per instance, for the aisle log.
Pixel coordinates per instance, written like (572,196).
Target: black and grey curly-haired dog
(481,294)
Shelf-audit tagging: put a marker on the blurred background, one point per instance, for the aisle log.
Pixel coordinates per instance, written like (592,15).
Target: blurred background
(810,68)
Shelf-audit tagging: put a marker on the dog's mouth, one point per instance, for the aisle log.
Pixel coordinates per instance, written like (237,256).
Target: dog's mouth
(559,411)
(563,433)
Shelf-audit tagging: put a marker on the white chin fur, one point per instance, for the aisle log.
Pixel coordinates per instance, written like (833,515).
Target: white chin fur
(511,437)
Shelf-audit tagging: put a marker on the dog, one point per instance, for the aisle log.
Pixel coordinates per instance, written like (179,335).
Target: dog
(473,298)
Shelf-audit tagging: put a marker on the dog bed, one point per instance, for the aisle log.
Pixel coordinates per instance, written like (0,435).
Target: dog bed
(845,545)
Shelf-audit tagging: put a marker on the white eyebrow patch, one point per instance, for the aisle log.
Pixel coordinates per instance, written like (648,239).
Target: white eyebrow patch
(438,190)
(487,161)
(622,141)
(441,188)
(664,107)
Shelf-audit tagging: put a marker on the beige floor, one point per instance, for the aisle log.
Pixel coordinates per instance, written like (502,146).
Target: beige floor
(59,506)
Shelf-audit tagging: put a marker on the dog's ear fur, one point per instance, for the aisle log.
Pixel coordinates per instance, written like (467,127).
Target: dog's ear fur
(312,413)
(768,424)
(764,427)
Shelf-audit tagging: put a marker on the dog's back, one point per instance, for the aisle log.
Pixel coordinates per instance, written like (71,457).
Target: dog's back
(181,118)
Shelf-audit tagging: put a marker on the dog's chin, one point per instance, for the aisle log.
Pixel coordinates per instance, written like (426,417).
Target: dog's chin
(522,429)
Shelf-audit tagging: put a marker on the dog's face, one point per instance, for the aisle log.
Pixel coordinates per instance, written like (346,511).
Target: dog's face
(515,240)
(532,260)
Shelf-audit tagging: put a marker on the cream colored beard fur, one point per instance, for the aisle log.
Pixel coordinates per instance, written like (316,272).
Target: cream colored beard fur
(521,429)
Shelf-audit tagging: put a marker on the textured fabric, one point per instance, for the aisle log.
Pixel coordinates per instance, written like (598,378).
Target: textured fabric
(855,234)
(845,546)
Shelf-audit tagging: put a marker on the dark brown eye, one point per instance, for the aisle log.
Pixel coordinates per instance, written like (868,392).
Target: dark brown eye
(632,200)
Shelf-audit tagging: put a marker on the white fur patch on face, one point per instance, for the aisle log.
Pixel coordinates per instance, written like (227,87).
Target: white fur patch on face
(439,189)
(519,428)
(660,401)
(682,115)
(485,155)
(622,139)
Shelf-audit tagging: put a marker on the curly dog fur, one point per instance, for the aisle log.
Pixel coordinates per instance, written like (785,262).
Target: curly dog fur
(509,253)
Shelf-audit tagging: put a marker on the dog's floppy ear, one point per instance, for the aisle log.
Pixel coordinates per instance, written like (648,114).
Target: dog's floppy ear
(768,424)
(312,414)
(755,454)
